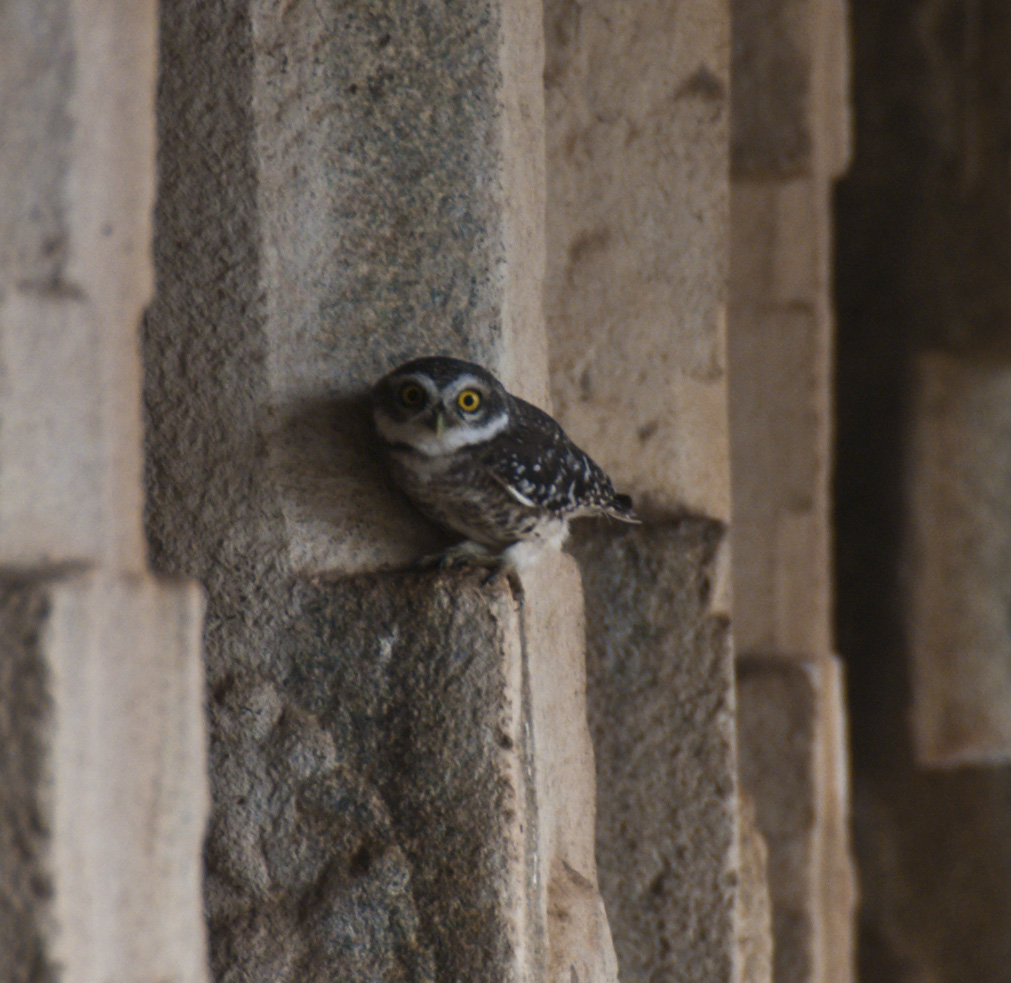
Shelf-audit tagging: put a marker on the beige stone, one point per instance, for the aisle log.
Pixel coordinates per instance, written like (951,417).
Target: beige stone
(792,754)
(780,427)
(959,493)
(75,274)
(791,88)
(102,697)
(637,224)
(754,912)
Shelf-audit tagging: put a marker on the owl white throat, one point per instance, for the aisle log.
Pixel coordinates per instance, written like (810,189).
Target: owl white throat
(440,439)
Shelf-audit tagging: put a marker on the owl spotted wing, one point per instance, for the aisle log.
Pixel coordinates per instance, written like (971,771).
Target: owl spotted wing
(541,468)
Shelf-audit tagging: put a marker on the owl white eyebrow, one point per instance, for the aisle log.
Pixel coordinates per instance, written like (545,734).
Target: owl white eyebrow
(469,382)
(428,443)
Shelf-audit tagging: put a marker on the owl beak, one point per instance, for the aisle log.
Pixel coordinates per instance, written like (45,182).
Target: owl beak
(439,423)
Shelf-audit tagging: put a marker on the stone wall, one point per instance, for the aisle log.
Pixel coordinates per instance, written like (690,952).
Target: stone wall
(790,141)
(103,788)
(415,775)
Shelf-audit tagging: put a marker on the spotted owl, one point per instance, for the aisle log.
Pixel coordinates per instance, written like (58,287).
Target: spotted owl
(486,464)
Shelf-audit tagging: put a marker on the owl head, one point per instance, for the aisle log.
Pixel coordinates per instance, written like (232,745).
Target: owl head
(438,405)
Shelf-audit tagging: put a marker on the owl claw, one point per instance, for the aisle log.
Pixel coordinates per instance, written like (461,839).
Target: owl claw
(467,553)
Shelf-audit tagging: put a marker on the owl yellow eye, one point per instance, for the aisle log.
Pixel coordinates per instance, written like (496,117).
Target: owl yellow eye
(468,400)
(412,394)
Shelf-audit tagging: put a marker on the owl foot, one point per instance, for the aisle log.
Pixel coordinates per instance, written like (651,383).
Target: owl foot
(467,553)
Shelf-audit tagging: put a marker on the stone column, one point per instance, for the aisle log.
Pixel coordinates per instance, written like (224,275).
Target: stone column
(400,764)
(637,108)
(102,781)
(790,142)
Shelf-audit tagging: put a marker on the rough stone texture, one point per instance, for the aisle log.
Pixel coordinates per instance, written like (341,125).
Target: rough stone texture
(786,717)
(406,792)
(77,153)
(790,71)
(660,698)
(637,242)
(401,776)
(360,185)
(754,911)
(959,478)
(103,792)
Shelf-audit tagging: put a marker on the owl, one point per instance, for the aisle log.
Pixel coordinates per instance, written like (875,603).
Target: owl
(485,464)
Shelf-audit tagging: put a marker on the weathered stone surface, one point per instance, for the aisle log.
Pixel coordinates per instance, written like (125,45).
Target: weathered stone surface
(754,912)
(404,794)
(102,781)
(660,698)
(792,764)
(365,187)
(76,113)
(779,421)
(960,560)
(637,242)
(790,92)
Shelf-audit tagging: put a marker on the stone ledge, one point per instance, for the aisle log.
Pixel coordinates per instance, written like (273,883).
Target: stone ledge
(406,789)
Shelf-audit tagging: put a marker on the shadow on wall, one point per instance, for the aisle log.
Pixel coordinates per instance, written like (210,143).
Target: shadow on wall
(923,261)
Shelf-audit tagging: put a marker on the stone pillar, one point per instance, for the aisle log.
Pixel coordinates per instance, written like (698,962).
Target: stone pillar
(637,108)
(400,764)
(102,781)
(790,142)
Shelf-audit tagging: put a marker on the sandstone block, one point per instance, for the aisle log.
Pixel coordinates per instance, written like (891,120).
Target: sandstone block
(959,560)
(790,94)
(660,699)
(364,187)
(77,89)
(102,781)
(779,424)
(792,762)
(637,235)
(754,911)
(405,793)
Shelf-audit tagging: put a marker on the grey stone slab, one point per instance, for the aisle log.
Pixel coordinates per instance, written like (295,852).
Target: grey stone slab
(397,798)
(342,188)
(660,691)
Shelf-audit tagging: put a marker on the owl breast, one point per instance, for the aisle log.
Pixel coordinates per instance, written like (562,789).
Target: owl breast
(461,494)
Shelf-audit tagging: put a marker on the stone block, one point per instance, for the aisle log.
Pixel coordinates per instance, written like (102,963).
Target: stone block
(408,792)
(754,911)
(790,92)
(102,780)
(637,236)
(660,687)
(780,244)
(959,556)
(77,91)
(362,186)
(792,762)
(779,422)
